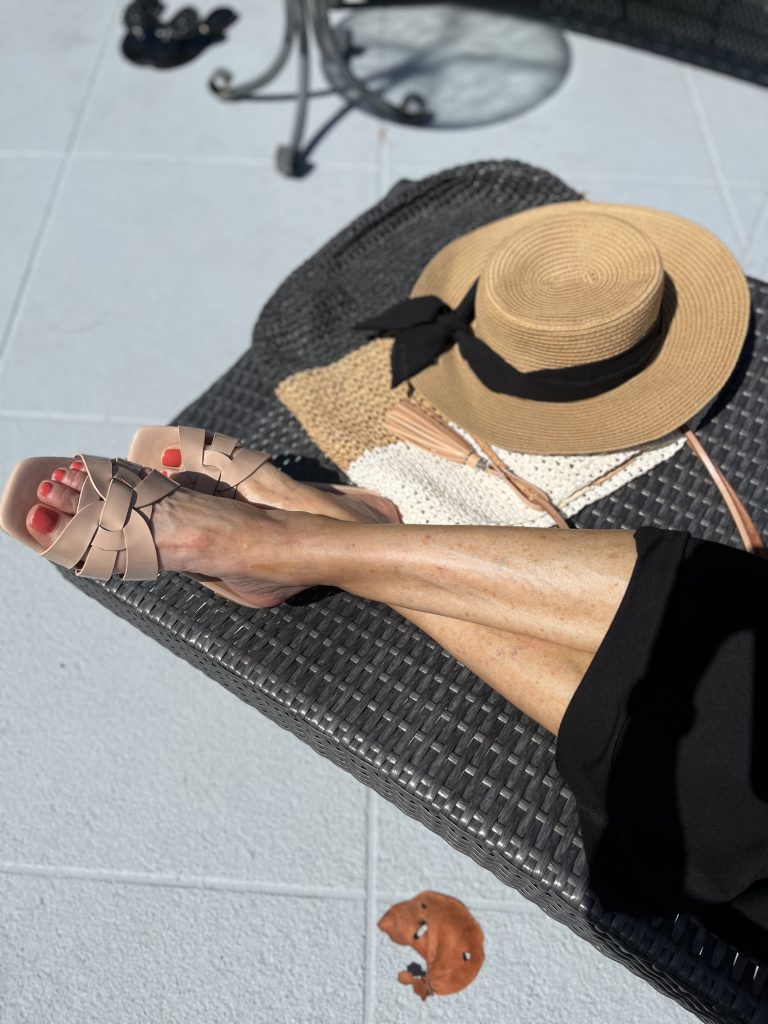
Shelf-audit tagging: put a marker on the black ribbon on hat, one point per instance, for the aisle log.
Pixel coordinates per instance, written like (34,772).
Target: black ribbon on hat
(425,327)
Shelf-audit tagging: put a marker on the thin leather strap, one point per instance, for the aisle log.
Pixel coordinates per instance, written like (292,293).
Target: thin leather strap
(113,515)
(244,464)
(224,444)
(530,494)
(749,533)
(431,432)
(192,445)
(222,465)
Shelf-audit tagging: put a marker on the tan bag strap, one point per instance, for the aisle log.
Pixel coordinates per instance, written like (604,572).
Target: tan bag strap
(529,493)
(749,533)
(414,424)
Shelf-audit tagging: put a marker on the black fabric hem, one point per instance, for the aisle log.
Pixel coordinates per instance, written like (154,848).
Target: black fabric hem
(595,715)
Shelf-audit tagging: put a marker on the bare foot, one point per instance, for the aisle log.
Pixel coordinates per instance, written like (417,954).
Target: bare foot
(243,546)
(272,488)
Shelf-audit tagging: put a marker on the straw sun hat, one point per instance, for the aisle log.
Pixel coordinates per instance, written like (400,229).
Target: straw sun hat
(574,327)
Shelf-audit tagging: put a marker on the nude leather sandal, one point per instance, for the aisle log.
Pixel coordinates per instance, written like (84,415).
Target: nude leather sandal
(113,515)
(220,466)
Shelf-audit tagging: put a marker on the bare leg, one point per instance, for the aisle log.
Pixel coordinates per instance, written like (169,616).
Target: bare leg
(552,599)
(536,676)
(560,586)
(524,609)
(505,660)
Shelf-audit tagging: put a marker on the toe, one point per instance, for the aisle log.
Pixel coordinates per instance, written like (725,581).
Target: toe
(69,477)
(171,458)
(58,496)
(45,524)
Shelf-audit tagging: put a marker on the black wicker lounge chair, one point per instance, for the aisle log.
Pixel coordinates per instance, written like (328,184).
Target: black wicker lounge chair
(730,36)
(367,689)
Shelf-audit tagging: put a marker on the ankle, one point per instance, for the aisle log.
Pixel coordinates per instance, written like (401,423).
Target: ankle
(305,548)
(278,489)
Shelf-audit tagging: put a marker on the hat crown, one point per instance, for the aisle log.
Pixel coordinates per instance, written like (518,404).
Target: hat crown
(569,289)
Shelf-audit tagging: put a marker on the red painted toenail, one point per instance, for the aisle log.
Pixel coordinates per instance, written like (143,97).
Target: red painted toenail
(45,489)
(58,475)
(75,465)
(172,458)
(43,520)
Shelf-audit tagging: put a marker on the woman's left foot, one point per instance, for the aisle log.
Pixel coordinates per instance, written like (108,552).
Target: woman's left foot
(247,548)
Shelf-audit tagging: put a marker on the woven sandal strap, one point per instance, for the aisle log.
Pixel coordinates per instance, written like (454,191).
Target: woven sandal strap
(243,464)
(108,521)
(224,462)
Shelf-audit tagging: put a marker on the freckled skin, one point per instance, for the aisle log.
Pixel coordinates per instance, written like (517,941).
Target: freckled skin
(524,609)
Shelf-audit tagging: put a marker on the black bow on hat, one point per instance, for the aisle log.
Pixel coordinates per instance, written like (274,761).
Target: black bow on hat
(424,327)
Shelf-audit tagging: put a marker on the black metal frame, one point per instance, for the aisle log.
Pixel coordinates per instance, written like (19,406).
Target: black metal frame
(729,36)
(301,18)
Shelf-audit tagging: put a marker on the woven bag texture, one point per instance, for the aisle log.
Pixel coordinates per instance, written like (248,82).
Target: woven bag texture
(367,689)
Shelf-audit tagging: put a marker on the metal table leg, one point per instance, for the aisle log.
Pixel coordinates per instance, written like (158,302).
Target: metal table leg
(414,106)
(221,80)
(300,16)
(291,159)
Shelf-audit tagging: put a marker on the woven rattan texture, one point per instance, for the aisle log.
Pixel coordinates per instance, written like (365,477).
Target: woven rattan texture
(730,36)
(367,689)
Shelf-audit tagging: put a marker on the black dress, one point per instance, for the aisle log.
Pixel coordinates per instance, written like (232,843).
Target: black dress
(663,745)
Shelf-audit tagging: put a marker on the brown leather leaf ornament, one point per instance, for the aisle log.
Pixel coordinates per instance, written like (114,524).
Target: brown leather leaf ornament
(442,931)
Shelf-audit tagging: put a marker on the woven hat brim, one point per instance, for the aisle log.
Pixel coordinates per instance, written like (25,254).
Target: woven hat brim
(706,302)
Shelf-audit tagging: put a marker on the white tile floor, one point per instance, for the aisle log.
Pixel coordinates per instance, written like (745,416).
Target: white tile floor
(143,228)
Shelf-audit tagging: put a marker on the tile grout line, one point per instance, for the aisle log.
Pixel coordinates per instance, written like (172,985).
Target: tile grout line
(212,884)
(32,154)
(71,417)
(210,161)
(760,220)
(714,159)
(53,198)
(425,168)
(369,981)
(37,242)
(202,882)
